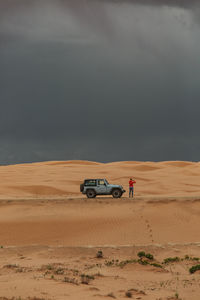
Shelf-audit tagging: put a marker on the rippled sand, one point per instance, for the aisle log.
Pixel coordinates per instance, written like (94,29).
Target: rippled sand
(50,233)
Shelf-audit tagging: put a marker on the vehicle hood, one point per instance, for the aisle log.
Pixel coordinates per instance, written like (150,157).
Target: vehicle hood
(115,185)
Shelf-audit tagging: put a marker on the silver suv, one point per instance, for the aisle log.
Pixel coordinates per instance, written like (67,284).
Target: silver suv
(94,187)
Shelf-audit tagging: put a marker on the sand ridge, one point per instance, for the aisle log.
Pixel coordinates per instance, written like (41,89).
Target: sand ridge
(63,178)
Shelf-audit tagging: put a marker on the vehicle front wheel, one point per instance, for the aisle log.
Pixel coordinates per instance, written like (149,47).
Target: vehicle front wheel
(91,194)
(116,193)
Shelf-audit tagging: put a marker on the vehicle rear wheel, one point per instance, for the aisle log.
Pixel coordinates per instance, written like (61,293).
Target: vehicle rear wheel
(116,193)
(81,187)
(91,194)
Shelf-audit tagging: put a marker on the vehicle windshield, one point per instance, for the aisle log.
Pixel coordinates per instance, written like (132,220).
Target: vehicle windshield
(106,181)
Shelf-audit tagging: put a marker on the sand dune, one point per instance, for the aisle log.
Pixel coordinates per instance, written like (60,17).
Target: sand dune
(48,247)
(50,234)
(73,162)
(62,178)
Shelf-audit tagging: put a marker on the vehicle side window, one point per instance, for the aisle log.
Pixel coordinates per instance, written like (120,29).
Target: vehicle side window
(90,183)
(101,182)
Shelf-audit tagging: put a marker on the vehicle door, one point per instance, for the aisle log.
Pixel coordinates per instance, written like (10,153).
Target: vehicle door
(101,187)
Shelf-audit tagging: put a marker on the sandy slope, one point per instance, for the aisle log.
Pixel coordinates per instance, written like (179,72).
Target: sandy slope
(61,179)
(49,244)
(50,234)
(97,222)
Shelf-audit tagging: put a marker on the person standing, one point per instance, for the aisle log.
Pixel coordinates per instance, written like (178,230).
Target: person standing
(131,187)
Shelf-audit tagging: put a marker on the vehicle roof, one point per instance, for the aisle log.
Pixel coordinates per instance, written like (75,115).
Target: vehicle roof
(95,179)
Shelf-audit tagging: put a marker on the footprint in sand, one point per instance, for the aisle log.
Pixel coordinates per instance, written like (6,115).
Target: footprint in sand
(150,231)
(149,228)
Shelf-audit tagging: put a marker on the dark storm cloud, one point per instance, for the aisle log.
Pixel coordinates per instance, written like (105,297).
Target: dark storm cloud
(99,80)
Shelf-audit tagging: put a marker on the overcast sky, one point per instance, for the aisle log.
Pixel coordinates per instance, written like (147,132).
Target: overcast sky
(99,80)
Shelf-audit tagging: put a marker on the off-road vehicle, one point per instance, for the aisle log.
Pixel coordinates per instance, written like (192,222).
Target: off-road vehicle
(94,187)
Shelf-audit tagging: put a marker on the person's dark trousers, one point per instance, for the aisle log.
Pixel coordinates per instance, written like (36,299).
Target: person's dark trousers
(130,191)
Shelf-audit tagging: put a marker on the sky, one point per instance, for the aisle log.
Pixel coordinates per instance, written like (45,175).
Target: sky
(99,80)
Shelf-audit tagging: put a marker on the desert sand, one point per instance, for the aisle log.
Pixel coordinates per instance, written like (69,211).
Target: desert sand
(50,234)
(62,178)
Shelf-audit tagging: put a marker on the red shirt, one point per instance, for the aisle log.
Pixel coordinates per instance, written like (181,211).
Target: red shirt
(131,182)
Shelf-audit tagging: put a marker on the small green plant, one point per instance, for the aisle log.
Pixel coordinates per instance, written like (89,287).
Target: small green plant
(1,247)
(141,254)
(128,294)
(125,262)
(85,279)
(99,254)
(156,265)
(194,269)
(195,258)
(149,256)
(171,259)
(177,296)
(49,267)
(187,257)
(110,263)
(143,262)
